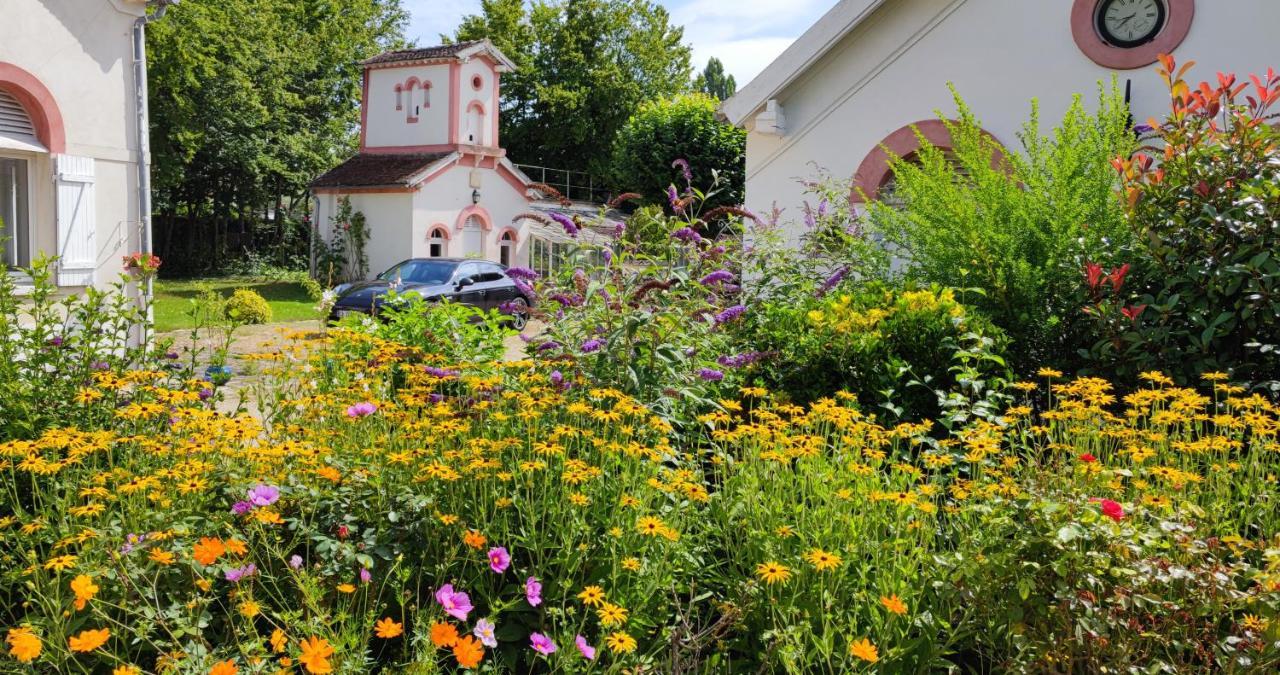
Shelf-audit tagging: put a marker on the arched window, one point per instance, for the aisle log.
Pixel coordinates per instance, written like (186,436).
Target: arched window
(17,131)
(507,248)
(399,97)
(412,107)
(874,179)
(476,124)
(438,243)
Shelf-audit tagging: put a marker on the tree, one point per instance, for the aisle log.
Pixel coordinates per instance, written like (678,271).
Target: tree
(583,68)
(684,127)
(714,82)
(250,100)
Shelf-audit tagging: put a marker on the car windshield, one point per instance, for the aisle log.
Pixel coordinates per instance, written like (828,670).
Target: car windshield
(431,272)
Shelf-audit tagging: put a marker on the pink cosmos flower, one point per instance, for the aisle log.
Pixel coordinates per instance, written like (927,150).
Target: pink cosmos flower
(1110,509)
(533,591)
(499,559)
(239,573)
(365,575)
(295,561)
(264,495)
(361,410)
(541,643)
(588,652)
(484,631)
(455,604)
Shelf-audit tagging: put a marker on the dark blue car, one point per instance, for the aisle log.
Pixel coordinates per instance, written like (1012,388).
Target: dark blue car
(478,283)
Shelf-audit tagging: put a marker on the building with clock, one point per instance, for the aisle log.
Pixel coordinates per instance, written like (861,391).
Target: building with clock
(856,84)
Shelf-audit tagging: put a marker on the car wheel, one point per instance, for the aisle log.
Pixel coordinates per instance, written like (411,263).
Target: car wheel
(519,313)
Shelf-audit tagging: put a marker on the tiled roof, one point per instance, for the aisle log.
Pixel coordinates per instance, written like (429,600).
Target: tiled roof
(437,52)
(377,170)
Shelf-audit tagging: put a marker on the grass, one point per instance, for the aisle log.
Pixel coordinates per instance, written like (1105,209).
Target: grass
(288,299)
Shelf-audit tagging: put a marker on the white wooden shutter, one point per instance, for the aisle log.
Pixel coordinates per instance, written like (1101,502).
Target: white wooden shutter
(77,223)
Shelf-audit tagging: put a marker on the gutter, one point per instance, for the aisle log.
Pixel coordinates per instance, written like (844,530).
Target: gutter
(144,123)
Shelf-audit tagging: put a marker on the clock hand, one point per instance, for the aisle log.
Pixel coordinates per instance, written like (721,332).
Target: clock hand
(1125,20)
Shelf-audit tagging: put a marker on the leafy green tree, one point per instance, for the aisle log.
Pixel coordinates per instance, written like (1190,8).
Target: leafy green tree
(250,100)
(684,127)
(584,66)
(714,82)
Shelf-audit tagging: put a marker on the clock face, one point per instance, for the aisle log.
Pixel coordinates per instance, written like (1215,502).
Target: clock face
(1129,23)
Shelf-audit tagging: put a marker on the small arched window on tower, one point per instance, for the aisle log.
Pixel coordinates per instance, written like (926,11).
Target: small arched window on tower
(438,243)
(412,109)
(476,124)
(507,248)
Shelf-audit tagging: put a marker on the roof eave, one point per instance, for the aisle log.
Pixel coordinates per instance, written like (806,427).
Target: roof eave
(815,43)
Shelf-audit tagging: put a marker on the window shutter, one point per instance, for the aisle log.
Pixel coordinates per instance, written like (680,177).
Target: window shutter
(14,120)
(77,223)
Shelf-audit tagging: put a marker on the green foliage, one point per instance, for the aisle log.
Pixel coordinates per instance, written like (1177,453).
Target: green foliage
(247,307)
(250,101)
(714,82)
(1017,226)
(684,127)
(54,344)
(1204,293)
(447,331)
(583,68)
(872,342)
(343,257)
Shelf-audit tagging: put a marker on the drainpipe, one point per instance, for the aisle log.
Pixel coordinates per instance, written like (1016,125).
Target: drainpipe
(144,126)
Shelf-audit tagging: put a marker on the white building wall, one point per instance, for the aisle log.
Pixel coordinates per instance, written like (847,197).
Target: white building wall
(389,216)
(477,128)
(388,127)
(81,51)
(445,200)
(894,69)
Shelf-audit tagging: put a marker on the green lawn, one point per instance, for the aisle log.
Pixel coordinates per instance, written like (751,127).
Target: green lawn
(288,299)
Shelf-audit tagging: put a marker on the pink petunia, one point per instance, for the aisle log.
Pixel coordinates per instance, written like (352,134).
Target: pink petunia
(499,559)
(533,591)
(541,643)
(455,604)
(588,652)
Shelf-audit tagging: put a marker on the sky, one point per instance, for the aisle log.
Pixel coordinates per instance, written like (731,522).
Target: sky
(745,34)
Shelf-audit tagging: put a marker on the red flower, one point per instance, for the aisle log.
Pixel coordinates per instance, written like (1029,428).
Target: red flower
(1117,277)
(1093,275)
(343,531)
(1088,458)
(1132,313)
(1110,509)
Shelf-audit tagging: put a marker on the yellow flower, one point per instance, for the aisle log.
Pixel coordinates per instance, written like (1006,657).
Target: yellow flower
(631,564)
(592,596)
(863,649)
(611,614)
(346,588)
(1043,372)
(650,526)
(821,560)
(85,589)
(772,572)
(60,563)
(89,640)
(24,645)
(387,628)
(894,604)
(161,557)
(126,670)
(620,643)
(278,641)
(250,609)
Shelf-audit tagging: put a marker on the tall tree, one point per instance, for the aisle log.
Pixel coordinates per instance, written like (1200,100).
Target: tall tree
(714,82)
(250,100)
(584,67)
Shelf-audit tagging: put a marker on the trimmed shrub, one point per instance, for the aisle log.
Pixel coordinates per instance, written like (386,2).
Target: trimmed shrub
(247,307)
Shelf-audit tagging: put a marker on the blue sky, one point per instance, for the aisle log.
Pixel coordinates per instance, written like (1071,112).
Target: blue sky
(745,34)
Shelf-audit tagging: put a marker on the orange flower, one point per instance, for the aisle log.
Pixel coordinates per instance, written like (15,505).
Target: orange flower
(315,655)
(863,649)
(227,667)
(24,645)
(237,547)
(278,641)
(207,550)
(474,539)
(894,604)
(444,635)
(85,589)
(469,652)
(387,629)
(89,640)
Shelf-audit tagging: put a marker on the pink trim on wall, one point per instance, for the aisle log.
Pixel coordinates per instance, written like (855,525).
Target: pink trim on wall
(364,109)
(477,82)
(440,227)
(513,181)
(1176,27)
(455,75)
(486,221)
(515,235)
(406,149)
(874,172)
(497,111)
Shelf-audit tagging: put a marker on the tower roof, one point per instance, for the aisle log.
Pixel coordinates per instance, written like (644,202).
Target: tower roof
(460,51)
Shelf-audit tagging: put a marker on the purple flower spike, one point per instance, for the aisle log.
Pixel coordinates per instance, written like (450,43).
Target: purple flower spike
(710,375)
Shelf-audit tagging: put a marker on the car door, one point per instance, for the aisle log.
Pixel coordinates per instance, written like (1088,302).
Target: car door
(495,287)
(472,294)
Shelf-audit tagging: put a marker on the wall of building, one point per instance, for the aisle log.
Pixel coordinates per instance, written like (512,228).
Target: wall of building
(446,200)
(894,70)
(385,126)
(389,216)
(477,106)
(81,51)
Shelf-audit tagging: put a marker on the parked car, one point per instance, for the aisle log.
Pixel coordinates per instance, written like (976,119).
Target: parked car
(478,283)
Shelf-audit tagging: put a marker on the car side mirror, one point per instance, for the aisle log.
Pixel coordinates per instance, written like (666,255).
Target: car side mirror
(465,281)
